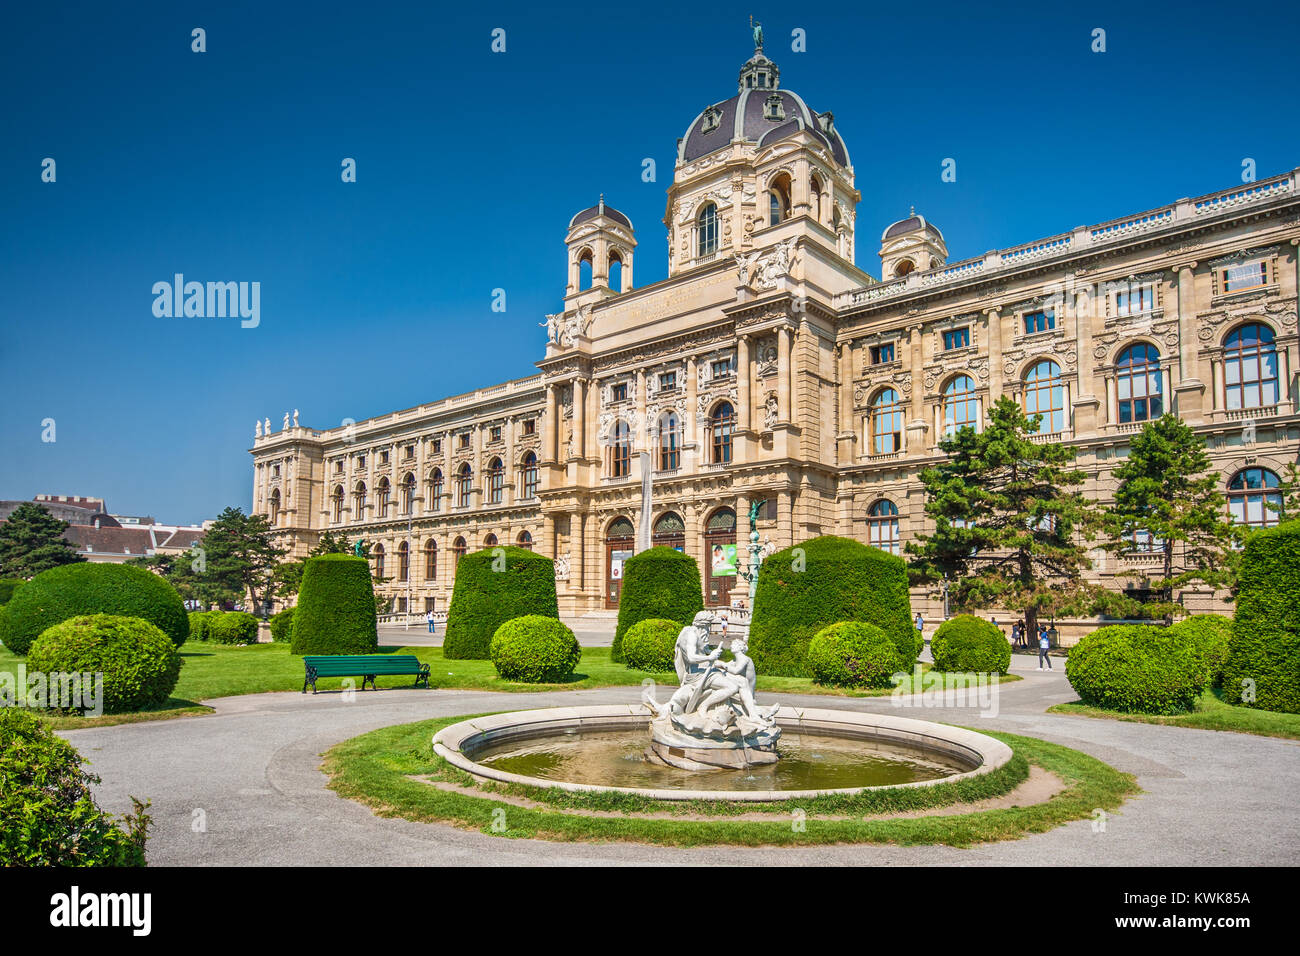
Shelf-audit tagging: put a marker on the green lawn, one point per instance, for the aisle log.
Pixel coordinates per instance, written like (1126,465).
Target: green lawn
(1211,713)
(219,670)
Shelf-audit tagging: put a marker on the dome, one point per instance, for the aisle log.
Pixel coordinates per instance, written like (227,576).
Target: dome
(913,223)
(600,209)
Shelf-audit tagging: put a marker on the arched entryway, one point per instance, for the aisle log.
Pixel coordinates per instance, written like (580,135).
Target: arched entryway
(720,557)
(669,531)
(620,544)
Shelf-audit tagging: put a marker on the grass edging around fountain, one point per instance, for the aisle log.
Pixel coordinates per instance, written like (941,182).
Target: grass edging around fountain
(387,770)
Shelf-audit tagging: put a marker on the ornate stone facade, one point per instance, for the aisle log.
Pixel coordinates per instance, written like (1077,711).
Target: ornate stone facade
(769,366)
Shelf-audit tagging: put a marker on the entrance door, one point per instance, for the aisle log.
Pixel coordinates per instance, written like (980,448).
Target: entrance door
(620,544)
(721,557)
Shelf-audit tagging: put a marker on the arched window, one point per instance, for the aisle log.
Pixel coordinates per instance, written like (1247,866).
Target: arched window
(408,495)
(528,475)
(458,548)
(431,560)
(882,526)
(585,269)
(722,422)
(707,230)
(381,498)
(274,508)
(435,490)
(378,552)
(336,503)
(615,273)
(496,478)
(886,423)
(1250,367)
(490,541)
(464,485)
(403,561)
(1250,492)
(721,556)
(1045,396)
(525,541)
(670,441)
(1138,381)
(669,531)
(903,267)
(359,502)
(961,406)
(620,450)
(778,200)
(815,197)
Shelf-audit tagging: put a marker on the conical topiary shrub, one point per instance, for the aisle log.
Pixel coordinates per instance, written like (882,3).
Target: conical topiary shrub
(336,607)
(659,583)
(824,581)
(494,586)
(1263,666)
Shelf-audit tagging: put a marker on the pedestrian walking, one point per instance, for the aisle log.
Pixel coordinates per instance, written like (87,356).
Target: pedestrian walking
(1043,645)
(920,625)
(1015,634)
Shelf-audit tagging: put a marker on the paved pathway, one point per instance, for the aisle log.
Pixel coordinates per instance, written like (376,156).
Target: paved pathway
(252,769)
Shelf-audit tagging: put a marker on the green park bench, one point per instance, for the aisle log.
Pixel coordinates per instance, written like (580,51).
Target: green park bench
(365,666)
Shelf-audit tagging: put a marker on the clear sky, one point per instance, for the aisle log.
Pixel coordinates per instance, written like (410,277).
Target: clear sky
(376,295)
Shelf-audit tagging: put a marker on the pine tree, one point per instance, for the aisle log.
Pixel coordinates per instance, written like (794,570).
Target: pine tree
(1168,501)
(1008,521)
(31,541)
(239,557)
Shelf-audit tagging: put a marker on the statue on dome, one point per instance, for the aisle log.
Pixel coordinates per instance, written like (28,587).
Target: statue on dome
(758,35)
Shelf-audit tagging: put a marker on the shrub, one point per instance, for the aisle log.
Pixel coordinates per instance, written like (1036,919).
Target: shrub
(336,607)
(84,588)
(840,580)
(649,645)
(1208,635)
(661,583)
(534,649)
(494,586)
(282,626)
(48,814)
(232,627)
(199,623)
(1135,668)
(7,588)
(1264,653)
(969,643)
(139,662)
(852,654)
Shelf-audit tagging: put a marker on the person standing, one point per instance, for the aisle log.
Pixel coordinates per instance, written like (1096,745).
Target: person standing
(1043,645)
(1015,634)
(920,625)
(429,617)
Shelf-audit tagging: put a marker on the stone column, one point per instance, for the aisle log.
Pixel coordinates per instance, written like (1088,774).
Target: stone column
(743,383)
(551,445)
(993,329)
(580,417)
(691,426)
(783,374)
(641,439)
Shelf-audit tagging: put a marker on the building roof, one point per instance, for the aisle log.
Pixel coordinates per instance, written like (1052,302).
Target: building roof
(744,117)
(913,223)
(600,209)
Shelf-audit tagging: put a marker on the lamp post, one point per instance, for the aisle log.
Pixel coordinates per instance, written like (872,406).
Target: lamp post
(409,546)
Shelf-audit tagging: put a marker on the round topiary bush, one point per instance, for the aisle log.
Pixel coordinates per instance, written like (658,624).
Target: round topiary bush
(534,649)
(76,589)
(282,626)
(820,582)
(139,662)
(649,645)
(1209,635)
(199,621)
(852,654)
(969,643)
(494,586)
(48,814)
(7,588)
(336,607)
(232,627)
(1135,668)
(661,583)
(1263,666)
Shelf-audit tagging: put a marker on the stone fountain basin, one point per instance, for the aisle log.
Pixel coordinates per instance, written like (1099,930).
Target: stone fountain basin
(459,743)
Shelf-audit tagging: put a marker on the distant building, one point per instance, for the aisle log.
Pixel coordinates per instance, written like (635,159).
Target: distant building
(108,538)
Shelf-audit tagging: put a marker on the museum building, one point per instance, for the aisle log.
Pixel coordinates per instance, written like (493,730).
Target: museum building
(767,367)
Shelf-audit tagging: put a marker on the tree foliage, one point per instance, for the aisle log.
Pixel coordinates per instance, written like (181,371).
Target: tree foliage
(31,541)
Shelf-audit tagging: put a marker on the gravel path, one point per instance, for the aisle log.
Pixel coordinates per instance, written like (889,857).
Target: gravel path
(250,771)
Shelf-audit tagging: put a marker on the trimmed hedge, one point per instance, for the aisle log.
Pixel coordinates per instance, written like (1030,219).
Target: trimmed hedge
(969,643)
(139,662)
(199,622)
(649,645)
(1209,635)
(232,627)
(494,586)
(825,581)
(1135,668)
(534,649)
(48,814)
(282,626)
(852,654)
(1264,653)
(85,588)
(336,607)
(7,588)
(659,583)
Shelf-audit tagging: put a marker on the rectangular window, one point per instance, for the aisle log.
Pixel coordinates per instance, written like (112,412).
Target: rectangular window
(1041,321)
(882,354)
(464,440)
(338,467)
(530,426)
(1135,300)
(956,339)
(619,392)
(667,381)
(437,446)
(496,433)
(1251,275)
(409,451)
(361,461)
(383,457)
(722,367)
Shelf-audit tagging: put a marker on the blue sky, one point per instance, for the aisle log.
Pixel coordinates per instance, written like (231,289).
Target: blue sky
(376,295)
